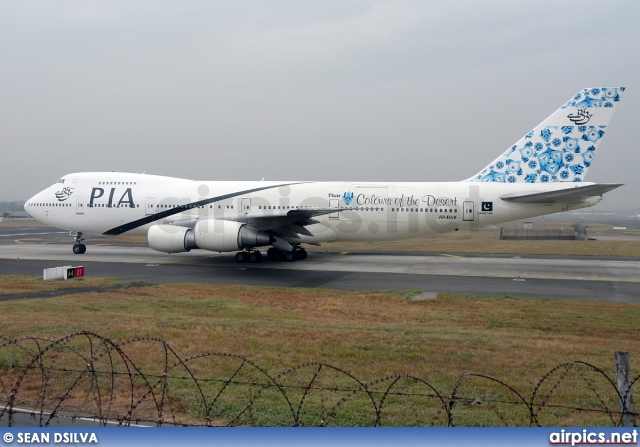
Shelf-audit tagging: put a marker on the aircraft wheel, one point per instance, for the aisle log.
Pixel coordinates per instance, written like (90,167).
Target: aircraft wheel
(79,249)
(289,256)
(255,257)
(274,254)
(301,255)
(241,256)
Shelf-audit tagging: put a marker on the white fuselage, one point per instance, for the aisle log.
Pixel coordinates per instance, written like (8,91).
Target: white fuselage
(123,203)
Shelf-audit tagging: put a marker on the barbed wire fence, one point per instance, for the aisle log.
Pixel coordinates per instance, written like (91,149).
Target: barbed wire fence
(144,381)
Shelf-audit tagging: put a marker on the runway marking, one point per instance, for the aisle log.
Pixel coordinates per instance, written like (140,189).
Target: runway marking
(29,234)
(187,261)
(451,256)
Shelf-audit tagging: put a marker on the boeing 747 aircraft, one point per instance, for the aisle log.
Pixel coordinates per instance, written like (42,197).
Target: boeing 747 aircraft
(540,174)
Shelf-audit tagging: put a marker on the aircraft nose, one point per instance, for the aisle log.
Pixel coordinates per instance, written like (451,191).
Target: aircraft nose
(29,205)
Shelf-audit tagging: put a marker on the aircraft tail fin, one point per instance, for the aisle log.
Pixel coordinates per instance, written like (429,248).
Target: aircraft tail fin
(562,147)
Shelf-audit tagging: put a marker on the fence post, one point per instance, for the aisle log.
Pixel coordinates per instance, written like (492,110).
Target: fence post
(623,374)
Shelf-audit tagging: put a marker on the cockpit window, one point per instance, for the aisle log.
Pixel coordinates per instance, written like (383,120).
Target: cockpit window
(61,180)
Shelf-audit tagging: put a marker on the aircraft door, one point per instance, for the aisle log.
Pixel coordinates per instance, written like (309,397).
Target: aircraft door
(245,205)
(334,203)
(80,205)
(468,211)
(150,207)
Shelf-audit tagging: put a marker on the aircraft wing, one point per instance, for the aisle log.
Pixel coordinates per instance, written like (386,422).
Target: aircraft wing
(289,223)
(281,223)
(573,194)
(286,223)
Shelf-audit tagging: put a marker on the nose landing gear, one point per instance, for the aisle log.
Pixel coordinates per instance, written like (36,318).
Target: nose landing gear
(78,247)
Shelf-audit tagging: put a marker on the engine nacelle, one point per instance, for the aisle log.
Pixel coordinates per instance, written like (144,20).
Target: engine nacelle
(208,234)
(171,238)
(225,235)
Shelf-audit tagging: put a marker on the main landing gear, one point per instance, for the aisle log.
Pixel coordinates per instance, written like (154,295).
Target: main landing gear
(298,254)
(252,256)
(78,247)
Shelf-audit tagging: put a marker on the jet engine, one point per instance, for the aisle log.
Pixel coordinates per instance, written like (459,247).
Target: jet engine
(208,234)
(171,238)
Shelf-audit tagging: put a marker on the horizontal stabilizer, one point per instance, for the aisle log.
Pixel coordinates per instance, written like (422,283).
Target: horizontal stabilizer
(572,194)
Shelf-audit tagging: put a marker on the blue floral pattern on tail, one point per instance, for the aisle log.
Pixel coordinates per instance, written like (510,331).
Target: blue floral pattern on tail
(555,153)
(595,97)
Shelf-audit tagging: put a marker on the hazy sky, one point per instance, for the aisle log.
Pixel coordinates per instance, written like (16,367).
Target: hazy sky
(299,90)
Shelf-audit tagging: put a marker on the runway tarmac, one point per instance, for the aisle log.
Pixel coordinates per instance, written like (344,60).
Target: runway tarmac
(583,278)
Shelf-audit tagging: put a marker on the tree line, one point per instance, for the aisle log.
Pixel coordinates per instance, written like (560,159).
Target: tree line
(13,206)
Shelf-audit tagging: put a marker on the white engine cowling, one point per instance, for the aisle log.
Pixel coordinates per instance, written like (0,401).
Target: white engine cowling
(208,234)
(225,235)
(171,238)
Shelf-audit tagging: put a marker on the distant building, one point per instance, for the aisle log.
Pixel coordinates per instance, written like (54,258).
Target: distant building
(576,232)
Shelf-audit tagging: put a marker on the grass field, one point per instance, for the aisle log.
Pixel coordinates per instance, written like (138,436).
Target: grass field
(369,334)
